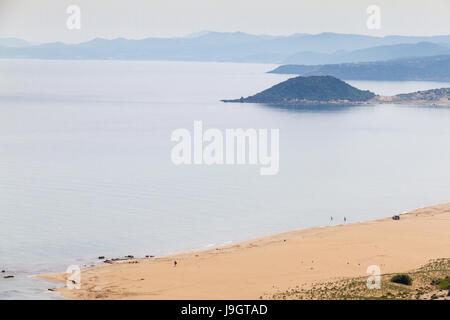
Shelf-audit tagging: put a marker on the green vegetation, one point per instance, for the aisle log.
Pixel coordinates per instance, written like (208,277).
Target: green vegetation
(427,95)
(444,284)
(428,282)
(402,279)
(434,68)
(315,89)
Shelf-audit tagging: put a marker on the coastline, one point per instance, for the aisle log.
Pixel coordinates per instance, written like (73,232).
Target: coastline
(391,100)
(263,267)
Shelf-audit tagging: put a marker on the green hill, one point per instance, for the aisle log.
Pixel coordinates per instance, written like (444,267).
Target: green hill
(435,68)
(314,89)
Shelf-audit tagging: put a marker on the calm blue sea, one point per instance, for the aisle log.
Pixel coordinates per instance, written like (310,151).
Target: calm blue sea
(85,165)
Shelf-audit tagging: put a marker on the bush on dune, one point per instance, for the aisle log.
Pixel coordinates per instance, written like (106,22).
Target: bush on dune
(402,279)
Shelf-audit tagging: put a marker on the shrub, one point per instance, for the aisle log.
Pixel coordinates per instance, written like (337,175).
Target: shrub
(402,279)
(444,284)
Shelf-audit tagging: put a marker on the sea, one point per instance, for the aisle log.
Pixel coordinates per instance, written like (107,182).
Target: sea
(86,167)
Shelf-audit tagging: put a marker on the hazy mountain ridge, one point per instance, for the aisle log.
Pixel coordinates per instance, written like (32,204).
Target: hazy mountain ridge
(421,49)
(13,43)
(217,46)
(434,68)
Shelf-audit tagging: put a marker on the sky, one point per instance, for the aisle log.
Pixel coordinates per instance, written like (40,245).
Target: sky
(45,20)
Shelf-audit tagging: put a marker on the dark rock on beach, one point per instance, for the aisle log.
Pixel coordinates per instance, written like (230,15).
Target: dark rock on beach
(118,259)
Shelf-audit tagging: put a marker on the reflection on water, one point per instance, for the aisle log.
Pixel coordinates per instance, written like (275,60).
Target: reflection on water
(320,108)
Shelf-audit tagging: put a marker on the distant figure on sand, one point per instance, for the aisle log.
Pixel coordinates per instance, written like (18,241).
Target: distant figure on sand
(331,219)
(174,263)
(345,219)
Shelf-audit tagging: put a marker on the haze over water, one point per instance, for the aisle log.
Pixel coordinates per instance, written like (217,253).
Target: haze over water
(85,165)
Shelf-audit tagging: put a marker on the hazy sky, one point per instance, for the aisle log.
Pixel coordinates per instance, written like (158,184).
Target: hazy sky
(45,20)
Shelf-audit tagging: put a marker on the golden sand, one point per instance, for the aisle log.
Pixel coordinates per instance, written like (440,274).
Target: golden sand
(261,267)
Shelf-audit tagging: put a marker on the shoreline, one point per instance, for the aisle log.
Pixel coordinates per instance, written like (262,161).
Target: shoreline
(383,100)
(262,267)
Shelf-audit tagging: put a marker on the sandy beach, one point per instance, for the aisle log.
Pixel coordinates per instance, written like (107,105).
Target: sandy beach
(262,267)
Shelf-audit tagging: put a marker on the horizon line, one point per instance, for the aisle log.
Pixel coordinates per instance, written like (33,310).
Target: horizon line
(199,34)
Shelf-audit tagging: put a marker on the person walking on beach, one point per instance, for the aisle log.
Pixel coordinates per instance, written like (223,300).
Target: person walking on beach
(175,263)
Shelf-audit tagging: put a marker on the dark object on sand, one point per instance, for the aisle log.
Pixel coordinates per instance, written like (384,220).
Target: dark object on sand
(396,217)
(130,256)
(174,263)
(8,277)
(51,289)
(116,260)
(402,279)
(101,257)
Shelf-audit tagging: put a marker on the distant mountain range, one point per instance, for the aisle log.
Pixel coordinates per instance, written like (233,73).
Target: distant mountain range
(435,68)
(13,43)
(421,49)
(238,47)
